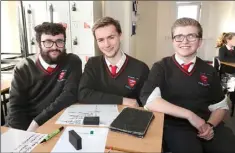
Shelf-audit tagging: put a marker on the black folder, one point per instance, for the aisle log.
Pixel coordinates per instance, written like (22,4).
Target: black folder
(132,121)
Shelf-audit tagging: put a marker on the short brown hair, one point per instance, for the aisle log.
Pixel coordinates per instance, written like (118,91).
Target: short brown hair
(49,28)
(222,40)
(105,21)
(183,22)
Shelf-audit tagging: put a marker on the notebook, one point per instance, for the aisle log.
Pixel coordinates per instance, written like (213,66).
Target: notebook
(132,121)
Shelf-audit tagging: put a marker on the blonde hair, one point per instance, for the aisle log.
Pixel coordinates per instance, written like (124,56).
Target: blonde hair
(222,40)
(183,22)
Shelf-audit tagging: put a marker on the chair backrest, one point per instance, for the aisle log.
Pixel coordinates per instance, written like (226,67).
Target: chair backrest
(216,64)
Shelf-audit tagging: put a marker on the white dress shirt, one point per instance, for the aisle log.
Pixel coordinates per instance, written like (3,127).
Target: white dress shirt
(119,63)
(181,62)
(44,64)
(229,48)
(157,92)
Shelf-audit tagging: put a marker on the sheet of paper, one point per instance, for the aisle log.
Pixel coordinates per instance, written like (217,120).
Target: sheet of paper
(231,84)
(90,142)
(20,141)
(75,114)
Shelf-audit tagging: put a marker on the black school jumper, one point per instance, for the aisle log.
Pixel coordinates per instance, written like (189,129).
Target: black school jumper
(38,95)
(98,86)
(226,55)
(194,90)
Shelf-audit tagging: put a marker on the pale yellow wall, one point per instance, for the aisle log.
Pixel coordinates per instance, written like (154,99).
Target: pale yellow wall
(217,17)
(10,41)
(152,41)
(145,49)
(156,18)
(121,10)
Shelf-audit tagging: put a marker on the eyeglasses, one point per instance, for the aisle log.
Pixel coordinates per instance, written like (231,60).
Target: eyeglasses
(49,43)
(190,37)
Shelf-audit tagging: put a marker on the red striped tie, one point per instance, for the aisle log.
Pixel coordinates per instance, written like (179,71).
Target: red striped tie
(50,69)
(113,69)
(186,66)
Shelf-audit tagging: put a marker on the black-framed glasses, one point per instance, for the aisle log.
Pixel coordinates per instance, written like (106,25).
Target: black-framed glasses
(190,37)
(49,43)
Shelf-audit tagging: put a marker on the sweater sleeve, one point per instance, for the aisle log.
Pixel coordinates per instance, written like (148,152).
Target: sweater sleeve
(17,108)
(222,52)
(143,78)
(86,92)
(155,79)
(216,92)
(68,95)
(225,55)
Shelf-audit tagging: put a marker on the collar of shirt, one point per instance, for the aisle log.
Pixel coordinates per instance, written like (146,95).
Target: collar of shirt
(229,48)
(119,63)
(44,64)
(180,62)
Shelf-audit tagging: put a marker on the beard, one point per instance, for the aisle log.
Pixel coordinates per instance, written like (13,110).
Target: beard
(51,60)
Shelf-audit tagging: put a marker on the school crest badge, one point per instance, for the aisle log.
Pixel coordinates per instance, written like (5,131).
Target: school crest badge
(131,82)
(204,79)
(62,75)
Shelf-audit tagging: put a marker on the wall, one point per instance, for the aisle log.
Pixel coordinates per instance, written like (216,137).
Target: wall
(156,18)
(98,12)
(152,41)
(146,32)
(166,16)
(10,41)
(121,10)
(216,17)
(153,30)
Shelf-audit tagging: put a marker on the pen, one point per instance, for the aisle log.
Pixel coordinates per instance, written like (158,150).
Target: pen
(111,148)
(49,136)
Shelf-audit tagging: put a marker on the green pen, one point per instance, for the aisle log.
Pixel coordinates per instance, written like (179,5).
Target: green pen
(51,135)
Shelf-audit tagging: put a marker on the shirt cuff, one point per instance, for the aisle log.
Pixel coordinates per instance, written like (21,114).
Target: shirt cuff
(155,94)
(220,105)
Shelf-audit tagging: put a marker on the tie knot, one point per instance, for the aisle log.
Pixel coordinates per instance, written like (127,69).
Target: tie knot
(186,66)
(113,69)
(50,69)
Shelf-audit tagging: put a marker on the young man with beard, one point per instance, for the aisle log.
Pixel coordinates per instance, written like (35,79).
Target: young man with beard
(45,84)
(188,91)
(114,77)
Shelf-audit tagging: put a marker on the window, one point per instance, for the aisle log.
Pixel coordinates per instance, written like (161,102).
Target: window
(188,9)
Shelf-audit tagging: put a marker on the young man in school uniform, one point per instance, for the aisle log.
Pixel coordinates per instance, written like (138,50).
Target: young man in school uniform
(188,91)
(114,77)
(45,84)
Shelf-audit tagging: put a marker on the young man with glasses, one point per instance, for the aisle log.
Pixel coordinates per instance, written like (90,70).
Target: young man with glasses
(188,91)
(44,85)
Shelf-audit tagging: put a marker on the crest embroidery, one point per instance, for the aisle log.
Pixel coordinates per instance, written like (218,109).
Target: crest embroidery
(131,82)
(62,75)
